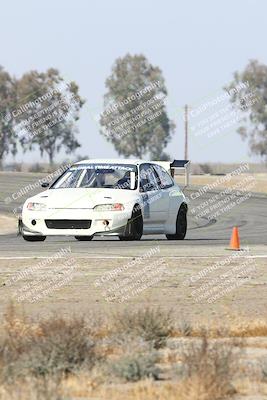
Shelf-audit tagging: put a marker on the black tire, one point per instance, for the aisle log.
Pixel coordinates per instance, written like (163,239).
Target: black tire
(34,238)
(134,227)
(20,227)
(181,224)
(83,238)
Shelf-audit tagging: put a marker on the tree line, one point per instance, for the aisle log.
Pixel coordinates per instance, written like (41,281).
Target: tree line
(40,110)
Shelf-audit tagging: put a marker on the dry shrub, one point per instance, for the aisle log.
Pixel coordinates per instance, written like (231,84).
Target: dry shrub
(206,375)
(63,346)
(209,368)
(264,369)
(55,346)
(184,329)
(135,367)
(151,324)
(121,344)
(36,167)
(17,329)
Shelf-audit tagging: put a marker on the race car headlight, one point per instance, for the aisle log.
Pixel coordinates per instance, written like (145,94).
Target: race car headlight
(36,206)
(109,207)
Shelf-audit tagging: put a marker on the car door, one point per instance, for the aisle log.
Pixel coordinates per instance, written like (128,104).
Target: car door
(172,193)
(165,184)
(153,210)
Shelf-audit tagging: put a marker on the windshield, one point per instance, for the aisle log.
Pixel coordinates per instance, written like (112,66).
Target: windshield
(111,176)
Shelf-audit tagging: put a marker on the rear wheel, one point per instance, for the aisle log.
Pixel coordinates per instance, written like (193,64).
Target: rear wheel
(134,227)
(34,238)
(181,224)
(83,238)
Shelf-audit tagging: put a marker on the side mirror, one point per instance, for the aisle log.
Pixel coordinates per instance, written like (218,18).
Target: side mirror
(45,184)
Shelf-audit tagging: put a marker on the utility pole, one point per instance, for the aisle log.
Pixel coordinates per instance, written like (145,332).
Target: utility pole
(186,132)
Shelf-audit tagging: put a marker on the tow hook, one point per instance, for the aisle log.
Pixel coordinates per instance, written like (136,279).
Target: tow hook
(106,224)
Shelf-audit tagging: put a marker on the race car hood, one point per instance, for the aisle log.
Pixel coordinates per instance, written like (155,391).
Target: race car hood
(78,198)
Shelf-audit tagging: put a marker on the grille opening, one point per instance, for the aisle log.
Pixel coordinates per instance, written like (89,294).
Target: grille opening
(68,223)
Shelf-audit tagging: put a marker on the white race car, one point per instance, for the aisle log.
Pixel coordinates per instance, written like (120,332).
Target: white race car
(124,198)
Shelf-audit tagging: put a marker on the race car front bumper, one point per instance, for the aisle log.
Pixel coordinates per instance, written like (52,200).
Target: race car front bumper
(78,222)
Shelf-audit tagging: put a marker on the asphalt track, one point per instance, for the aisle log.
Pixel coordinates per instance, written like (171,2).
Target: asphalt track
(249,214)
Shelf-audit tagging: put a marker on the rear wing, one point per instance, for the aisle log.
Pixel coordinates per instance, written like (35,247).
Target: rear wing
(183,165)
(177,165)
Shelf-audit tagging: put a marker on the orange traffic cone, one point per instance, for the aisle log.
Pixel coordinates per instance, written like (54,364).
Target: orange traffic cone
(235,242)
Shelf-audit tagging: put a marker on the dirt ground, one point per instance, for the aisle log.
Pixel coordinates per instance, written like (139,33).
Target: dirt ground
(196,289)
(8,224)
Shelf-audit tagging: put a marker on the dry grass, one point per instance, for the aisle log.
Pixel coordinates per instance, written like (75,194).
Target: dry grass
(243,327)
(32,389)
(59,358)
(234,326)
(258,182)
(224,168)
(188,389)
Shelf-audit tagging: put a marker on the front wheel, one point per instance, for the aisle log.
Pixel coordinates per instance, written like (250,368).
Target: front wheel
(34,238)
(181,224)
(134,227)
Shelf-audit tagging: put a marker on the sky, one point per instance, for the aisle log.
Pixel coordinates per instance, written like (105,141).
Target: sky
(197,44)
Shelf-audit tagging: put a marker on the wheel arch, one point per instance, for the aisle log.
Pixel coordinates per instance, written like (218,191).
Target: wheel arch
(138,207)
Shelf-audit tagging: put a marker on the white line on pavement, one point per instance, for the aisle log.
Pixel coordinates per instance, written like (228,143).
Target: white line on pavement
(130,257)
